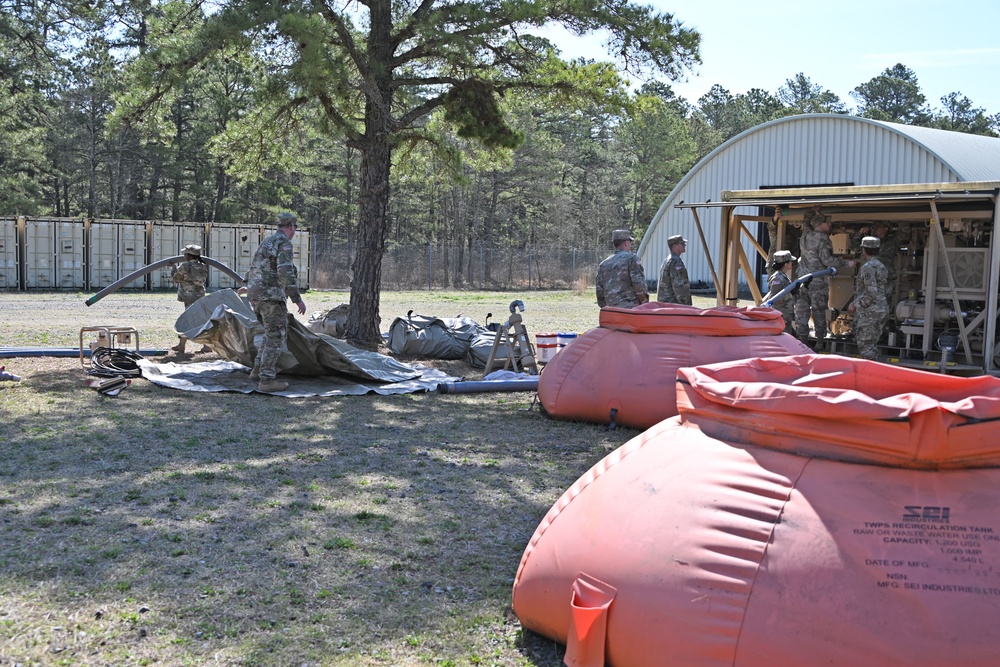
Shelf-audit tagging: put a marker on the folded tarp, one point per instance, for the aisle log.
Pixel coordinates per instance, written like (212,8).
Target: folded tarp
(225,321)
(480,348)
(433,337)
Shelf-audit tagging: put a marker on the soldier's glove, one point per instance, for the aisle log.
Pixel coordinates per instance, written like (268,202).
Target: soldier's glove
(795,290)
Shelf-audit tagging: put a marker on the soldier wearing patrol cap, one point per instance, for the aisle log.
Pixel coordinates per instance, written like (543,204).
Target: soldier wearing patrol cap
(271,282)
(190,276)
(870,306)
(782,262)
(817,254)
(674,286)
(621,282)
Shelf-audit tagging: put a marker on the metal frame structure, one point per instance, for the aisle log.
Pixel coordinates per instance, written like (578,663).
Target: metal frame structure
(929,203)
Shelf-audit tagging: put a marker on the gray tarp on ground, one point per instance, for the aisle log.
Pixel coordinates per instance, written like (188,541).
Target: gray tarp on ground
(215,376)
(225,321)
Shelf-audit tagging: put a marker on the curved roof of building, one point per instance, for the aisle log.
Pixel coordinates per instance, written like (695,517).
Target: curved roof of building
(814,150)
(972,157)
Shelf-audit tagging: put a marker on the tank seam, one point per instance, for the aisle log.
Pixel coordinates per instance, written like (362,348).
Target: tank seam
(792,486)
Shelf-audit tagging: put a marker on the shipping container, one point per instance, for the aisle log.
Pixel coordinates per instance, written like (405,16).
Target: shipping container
(66,253)
(69,253)
(102,260)
(132,254)
(9,264)
(222,248)
(39,255)
(248,239)
(300,246)
(169,240)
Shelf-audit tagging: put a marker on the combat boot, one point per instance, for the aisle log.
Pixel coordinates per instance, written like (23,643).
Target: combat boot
(255,374)
(179,348)
(268,386)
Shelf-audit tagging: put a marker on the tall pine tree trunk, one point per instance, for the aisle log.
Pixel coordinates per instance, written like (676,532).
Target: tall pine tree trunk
(366,281)
(373,205)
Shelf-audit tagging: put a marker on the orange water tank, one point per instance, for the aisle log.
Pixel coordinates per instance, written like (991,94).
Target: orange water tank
(805,510)
(624,369)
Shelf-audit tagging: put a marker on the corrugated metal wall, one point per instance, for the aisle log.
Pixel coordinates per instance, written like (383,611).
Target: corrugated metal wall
(69,253)
(796,151)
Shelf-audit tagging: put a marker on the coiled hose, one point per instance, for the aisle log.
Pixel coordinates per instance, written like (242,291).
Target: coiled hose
(107,362)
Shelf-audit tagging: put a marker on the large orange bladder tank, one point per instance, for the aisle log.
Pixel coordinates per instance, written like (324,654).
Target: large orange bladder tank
(804,510)
(629,362)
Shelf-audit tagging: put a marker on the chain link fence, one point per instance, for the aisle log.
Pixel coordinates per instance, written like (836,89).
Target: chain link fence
(437,266)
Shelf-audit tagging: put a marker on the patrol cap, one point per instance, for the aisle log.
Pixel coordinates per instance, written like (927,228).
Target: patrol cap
(676,238)
(287,219)
(194,250)
(870,242)
(621,235)
(783,256)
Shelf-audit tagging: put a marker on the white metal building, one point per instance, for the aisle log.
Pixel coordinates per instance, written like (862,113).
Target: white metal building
(811,150)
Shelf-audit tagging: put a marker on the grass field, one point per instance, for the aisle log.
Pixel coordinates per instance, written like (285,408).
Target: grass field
(162,527)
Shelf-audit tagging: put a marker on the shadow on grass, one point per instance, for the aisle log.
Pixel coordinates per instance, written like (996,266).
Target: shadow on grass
(278,531)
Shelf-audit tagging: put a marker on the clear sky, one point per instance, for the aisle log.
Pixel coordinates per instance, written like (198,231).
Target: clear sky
(950,46)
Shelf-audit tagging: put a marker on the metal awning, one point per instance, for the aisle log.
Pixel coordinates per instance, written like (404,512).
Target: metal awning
(783,200)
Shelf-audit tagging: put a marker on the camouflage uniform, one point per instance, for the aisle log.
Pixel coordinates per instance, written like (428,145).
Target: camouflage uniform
(871,307)
(887,251)
(190,277)
(674,286)
(814,298)
(778,281)
(621,282)
(793,232)
(272,279)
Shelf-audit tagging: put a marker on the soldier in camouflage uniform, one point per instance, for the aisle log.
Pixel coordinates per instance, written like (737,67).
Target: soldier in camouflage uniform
(621,282)
(887,251)
(870,306)
(674,286)
(814,298)
(190,276)
(270,281)
(779,280)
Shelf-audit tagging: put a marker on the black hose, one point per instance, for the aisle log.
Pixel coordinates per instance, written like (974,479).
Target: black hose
(795,284)
(520,384)
(109,362)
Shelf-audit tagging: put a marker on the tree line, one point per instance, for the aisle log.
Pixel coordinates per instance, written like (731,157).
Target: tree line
(412,122)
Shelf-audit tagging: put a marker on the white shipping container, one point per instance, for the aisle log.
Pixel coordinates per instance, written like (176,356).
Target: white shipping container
(39,243)
(222,248)
(169,239)
(300,246)
(103,261)
(8,254)
(69,253)
(131,251)
(247,241)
